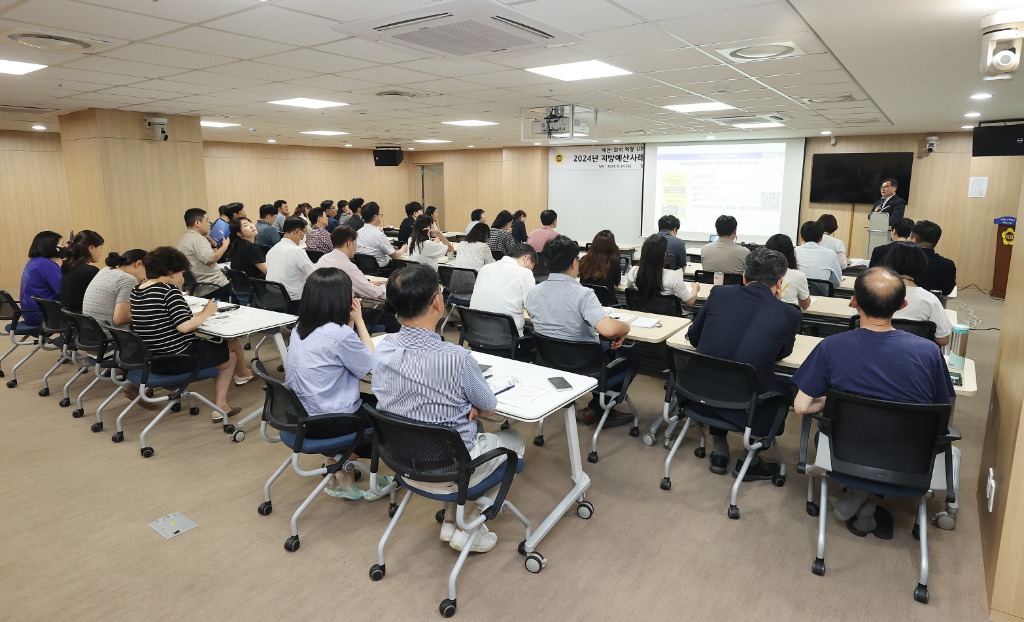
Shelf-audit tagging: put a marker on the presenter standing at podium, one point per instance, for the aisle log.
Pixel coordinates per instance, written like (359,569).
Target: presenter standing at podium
(890,203)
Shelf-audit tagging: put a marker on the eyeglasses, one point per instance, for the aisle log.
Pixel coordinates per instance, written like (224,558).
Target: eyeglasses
(886,186)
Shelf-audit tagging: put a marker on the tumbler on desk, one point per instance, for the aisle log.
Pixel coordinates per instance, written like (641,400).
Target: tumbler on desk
(719,278)
(958,346)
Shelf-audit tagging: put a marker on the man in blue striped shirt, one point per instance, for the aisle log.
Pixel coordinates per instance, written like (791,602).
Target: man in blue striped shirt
(419,376)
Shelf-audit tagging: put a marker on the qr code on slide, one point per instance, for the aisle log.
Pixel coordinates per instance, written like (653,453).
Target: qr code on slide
(771,201)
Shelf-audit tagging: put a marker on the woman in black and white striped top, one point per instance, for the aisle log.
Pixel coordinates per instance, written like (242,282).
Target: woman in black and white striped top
(162,318)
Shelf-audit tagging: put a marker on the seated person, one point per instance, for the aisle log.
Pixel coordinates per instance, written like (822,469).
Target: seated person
(473,252)
(78,269)
(539,237)
(830,224)
(502,287)
(344,240)
(420,376)
(519,233)
(329,353)
(108,296)
(561,308)
(203,254)
(288,264)
(668,227)
(874,361)
(355,217)
(267,233)
(941,272)
(651,278)
(164,322)
(371,240)
(412,210)
(476,217)
(432,212)
(424,250)
(724,254)
(283,211)
(899,232)
(501,239)
(600,264)
(794,284)
(41,277)
(909,261)
(813,259)
(319,237)
(219,230)
(749,324)
(243,254)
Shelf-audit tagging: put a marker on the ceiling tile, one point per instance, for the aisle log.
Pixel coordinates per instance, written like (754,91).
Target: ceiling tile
(318,62)
(656,10)
(97,77)
(351,10)
(340,84)
(261,71)
(134,91)
(451,68)
(276,24)
(539,58)
(664,60)
(90,19)
(123,67)
(628,40)
(392,76)
(577,16)
(197,11)
(444,86)
(175,86)
(794,64)
(511,78)
(209,41)
(736,24)
(697,75)
(147,53)
(220,80)
(378,52)
(835,76)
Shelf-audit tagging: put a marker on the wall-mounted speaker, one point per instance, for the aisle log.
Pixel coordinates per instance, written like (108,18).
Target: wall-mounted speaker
(387,156)
(998,140)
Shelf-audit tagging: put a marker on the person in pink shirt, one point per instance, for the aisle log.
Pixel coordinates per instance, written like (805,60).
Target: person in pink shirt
(539,237)
(344,241)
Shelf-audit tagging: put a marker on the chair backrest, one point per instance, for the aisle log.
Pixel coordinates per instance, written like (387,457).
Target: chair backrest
(497,255)
(714,382)
(190,284)
(488,332)
(282,409)
(821,287)
(921,328)
(87,334)
(10,311)
(662,305)
(605,295)
(270,295)
(129,349)
(457,280)
(313,255)
(885,442)
(366,264)
(397,264)
(418,451)
(264,248)
(54,320)
(577,357)
(459,237)
(708,276)
(241,284)
(938,294)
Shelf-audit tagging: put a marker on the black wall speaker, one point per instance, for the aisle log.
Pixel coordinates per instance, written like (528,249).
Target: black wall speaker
(387,157)
(998,140)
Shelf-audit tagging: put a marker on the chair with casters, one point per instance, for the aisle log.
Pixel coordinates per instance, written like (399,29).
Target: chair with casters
(93,349)
(158,371)
(283,411)
(880,448)
(660,304)
(489,332)
(719,384)
(313,255)
(921,328)
(397,264)
(588,359)
(458,284)
(605,295)
(54,337)
(241,285)
(421,453)
(270,295)
(708,277)
(20,333)
(191,284)
(366,264)
(821,287)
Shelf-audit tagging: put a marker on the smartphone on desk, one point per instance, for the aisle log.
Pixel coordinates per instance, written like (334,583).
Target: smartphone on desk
(957,378)
(559,383)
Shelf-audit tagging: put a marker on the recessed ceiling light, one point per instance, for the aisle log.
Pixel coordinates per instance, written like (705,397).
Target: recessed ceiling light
(348,144)
(757,126)
(305,102)
(412,148)
(709,137)
(469,123)
(536,144)
(826,132)
(967,127)
(324,133)
(707,106)
(763,52)
(585,70)
(16,68)
(616,141)
(217,124)
(470,146)
(39,127)
(432,141)
(271,140)
(971,115)
(981,96)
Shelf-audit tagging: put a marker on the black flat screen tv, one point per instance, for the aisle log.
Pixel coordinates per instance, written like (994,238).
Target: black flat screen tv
(857,177)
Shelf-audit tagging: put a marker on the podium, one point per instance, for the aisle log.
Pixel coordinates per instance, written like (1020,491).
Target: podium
(878,231)
(1004,250)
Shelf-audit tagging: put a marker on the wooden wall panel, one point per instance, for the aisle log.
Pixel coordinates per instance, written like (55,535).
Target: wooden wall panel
(977,251)
(525,182)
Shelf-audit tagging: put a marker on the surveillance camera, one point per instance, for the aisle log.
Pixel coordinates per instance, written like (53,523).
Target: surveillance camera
(931,143)
(252,129)
(163,133)
(1002,36)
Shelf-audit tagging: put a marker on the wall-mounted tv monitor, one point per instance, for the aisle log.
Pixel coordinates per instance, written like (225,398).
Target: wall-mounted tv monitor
(857,177)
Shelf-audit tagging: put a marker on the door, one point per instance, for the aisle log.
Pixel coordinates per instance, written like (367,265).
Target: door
(432,189)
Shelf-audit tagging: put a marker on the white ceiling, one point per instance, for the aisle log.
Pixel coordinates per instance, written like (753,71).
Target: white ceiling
(910,66)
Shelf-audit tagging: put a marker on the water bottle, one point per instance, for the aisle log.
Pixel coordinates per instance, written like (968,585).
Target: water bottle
(958,346)
(719,278)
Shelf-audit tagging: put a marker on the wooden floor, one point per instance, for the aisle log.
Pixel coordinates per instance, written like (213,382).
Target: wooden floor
(77,544)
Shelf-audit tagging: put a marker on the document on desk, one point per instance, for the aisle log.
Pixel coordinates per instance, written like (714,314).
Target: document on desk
(645,322)
(628,318)
(511,392)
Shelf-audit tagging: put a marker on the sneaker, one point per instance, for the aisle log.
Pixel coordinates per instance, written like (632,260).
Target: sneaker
(758,471)
(240,380)
(382,482)
(484,542)
(355,493)
(447,531)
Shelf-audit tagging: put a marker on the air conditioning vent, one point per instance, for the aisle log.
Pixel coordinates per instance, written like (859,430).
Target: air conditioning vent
(53,41)
(26,109)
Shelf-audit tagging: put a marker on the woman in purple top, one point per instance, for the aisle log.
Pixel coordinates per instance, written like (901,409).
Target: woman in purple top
(41,277)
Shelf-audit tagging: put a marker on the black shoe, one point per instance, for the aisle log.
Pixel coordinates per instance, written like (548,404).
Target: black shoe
(719,464)
(758,471)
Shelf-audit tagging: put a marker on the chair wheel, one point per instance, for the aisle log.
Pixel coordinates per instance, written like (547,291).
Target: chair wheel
(585,510)
(377,572)
(117,437)
(247,346)
(812,508)
(291,544)
(64,402)
(147,452)
(238,436)
(2,374)
(97,427)
(648,439)
(12,383)
(392,508)
(538,441)
(634,431)
(592,457)
(505,425)
(192,411)
(447,607)
(779,480)
(666,483)
(228,428)
(921,593)
(734,512)
(265,508)
(78,413)
(357,475)
(176,407)
(818,567)
(700,452)
(439,517)
(535,562)
(280,368)
(945,520)
(522,547)
(44,392)
(916,531)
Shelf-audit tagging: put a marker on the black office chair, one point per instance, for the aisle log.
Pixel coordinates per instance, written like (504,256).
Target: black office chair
(921,328)
(313,255)
(707,276)
(191,284)
(366,264)
(497,255)
(489,332)
(241,285)
(660,304)
(882,448)
(397,264)
(458,284)
(419,452)
(705,384)
(459,237)
(54,337)
(605,295)
(938,294)
(625,263)
(270,295)
(588,359)
(264,248)
(20,333)
(821,287)
(93,349)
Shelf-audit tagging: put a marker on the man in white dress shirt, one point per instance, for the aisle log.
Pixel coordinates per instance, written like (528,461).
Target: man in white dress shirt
(502,286)
(371,240)
(287,262)
(814,260)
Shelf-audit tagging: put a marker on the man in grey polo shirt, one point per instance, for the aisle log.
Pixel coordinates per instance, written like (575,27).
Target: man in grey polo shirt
(813,259)
(724,254)
(563,309)
(668,228)
(203,255)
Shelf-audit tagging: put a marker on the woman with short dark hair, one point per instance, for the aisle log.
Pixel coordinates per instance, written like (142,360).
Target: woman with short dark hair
(501,239)
(473,252)
(909,261)
(78,269)
(600,265)
(41,276)
(519,227)
(651,278)
(794,284)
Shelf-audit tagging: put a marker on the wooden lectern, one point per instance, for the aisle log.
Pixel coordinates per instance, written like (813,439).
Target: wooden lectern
(1004,250)
(878,231)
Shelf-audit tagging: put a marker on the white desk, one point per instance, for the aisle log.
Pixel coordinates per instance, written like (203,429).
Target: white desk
(820,305)
(846,284)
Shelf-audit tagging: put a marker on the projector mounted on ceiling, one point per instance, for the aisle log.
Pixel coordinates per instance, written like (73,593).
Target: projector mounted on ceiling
(559,125)
(462,28)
